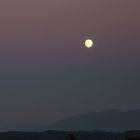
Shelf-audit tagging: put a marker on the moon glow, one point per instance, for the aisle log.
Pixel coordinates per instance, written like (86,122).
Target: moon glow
(88,43)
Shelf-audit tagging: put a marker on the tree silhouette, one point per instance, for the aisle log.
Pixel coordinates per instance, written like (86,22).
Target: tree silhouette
(71,137)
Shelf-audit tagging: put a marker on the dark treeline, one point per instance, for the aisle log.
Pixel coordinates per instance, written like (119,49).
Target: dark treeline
(75,135)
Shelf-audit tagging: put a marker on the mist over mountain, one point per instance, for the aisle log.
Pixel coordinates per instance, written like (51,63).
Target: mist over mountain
(19,127)
(111,120)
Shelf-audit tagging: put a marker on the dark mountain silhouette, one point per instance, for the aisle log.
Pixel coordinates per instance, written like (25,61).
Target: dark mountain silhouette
(112,120)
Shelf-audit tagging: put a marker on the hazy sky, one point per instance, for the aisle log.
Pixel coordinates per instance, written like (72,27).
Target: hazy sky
(45,71)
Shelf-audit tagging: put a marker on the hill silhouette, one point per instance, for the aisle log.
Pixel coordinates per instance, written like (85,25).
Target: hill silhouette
(111,120)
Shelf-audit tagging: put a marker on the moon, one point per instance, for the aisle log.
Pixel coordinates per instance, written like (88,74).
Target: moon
(88,43)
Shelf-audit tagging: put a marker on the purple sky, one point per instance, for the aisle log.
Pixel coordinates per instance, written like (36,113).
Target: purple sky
(47,74)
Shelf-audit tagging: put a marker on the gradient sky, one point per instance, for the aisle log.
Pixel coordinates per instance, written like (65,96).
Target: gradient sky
(45,71)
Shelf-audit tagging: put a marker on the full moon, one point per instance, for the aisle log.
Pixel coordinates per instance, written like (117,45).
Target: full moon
(88,43)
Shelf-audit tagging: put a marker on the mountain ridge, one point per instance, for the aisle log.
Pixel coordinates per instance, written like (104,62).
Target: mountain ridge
(110,120)
(106,120)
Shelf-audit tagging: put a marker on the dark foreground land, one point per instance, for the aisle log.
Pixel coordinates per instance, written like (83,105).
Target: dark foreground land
(77,135)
